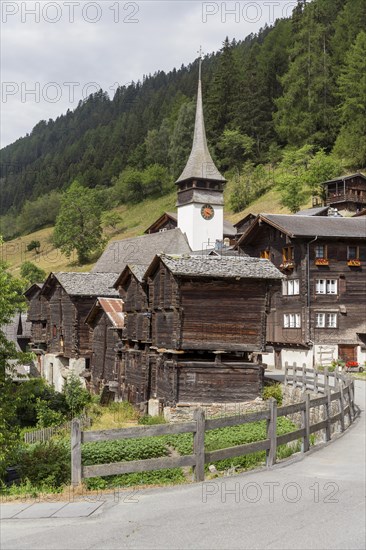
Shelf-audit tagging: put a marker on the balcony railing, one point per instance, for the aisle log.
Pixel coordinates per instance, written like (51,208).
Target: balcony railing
(343,197)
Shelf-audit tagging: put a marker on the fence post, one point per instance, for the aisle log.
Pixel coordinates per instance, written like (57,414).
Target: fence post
(328,411)
(75,452)
(286,374)
(304,376)
(294,384)
(306,423)
(341,405)
(315,381)
(326,380)
(272,433)
(351,399)
(199,445)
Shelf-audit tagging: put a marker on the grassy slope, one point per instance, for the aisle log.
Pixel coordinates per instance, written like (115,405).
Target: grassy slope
(136,219)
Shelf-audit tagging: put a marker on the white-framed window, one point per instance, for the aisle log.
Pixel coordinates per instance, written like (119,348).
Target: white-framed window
(320,251)
(292,320)
(326,320)
(291,287)
(326,286)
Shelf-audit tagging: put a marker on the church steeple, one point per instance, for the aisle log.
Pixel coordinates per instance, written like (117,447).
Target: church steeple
(200,198)
(200,164)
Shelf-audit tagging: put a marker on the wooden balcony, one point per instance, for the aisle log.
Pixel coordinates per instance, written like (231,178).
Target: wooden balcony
(334,198)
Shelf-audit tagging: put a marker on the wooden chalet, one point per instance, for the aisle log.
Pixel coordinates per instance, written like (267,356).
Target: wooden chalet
(192,326)
(106,319)
(322,305)
(346,193)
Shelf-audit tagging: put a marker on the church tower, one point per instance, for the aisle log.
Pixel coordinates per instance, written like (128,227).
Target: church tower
(200,201)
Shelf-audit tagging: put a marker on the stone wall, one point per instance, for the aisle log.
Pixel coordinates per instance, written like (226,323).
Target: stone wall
(183,412)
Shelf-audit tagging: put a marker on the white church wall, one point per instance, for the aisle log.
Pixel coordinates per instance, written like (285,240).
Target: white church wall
(201,233)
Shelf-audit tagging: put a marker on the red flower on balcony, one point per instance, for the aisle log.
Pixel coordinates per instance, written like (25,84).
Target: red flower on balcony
(354,263)
(321,261)
(352,364)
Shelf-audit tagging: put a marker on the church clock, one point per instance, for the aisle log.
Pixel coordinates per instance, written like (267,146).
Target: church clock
(207,212)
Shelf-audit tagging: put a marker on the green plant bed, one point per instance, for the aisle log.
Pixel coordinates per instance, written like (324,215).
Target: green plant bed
(157,477)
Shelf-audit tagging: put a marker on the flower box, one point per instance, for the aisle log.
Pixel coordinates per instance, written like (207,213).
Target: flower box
(321,261)
(287,265)
(354,263)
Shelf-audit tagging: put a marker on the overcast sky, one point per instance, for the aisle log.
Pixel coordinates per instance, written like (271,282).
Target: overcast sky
(54,53)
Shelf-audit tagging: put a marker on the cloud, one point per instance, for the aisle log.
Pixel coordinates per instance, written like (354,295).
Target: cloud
(125,41)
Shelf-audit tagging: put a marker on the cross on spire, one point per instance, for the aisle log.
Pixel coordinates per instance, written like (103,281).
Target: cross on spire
(200,55)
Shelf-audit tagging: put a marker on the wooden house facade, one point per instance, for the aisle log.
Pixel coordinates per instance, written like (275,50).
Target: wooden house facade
(194,326)
(322,304)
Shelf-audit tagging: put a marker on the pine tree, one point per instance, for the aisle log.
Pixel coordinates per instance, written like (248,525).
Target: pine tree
(223,94)
(351,141)
(306,108)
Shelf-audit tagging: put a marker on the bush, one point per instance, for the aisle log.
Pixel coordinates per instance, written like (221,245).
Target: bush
(32,273)
(46,463)
(76,397)
(275,391)
(34,245)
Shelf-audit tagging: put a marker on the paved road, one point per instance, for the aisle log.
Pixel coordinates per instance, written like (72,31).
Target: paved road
(317,502)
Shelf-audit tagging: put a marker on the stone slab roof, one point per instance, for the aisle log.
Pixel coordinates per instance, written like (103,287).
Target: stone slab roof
(140,250)
(228,267)
(318,211)
(85,284)
(321,226)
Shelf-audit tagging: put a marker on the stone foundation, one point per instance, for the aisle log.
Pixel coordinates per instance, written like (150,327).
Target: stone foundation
(183,412)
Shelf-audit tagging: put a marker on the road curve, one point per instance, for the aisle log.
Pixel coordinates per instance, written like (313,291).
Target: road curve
(317,502)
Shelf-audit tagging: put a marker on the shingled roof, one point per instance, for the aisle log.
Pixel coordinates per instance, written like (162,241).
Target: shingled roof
(218,267)
(112,307)
(311,226)
(84,284)
(200,163)
(140,250)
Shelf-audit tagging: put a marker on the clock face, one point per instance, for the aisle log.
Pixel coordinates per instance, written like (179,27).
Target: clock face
(207,212)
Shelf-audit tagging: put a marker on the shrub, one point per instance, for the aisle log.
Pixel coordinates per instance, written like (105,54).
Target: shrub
(275,391)
(46,416)
(46,463)
(76,397)
(34,245)
(32,273)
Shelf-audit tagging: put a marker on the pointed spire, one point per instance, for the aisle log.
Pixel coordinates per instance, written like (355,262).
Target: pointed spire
(200,164)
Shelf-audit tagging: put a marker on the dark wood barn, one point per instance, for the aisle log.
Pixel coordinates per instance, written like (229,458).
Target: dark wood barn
(106,320)
(37,315)
(193,327)
(70,296)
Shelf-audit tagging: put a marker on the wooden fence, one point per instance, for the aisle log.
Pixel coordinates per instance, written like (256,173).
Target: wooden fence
(336,387)
(44,434)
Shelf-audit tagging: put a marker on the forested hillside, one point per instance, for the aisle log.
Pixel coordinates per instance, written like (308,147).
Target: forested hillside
(300,83)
